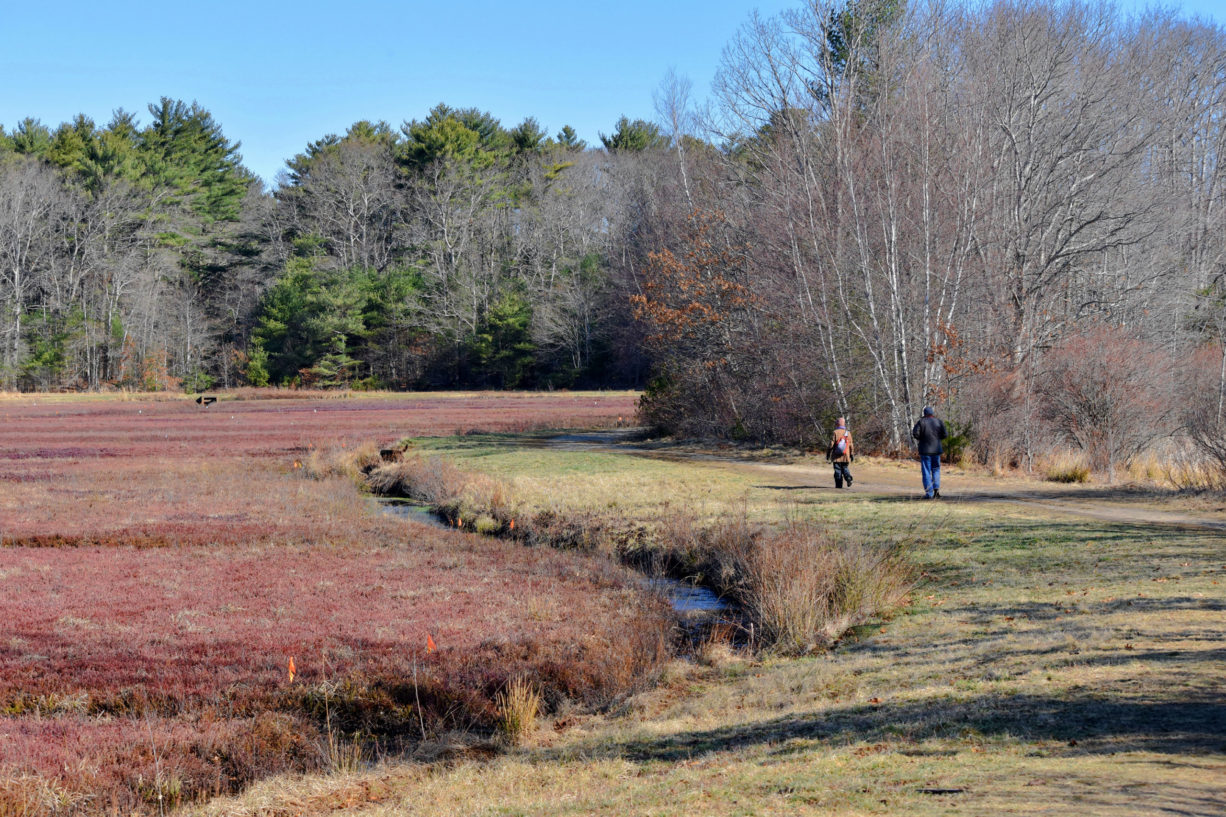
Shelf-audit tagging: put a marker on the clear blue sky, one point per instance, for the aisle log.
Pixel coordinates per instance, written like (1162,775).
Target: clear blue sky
(278,75)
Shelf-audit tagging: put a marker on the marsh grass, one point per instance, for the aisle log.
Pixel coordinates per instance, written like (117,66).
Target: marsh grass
(342,460)
(803,587)
(161,560)
(518,705)
(342,754)
(1066,467)
(34,796)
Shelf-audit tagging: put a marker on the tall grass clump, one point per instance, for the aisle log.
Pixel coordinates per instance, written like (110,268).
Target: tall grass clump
(342,461)
(1067,468)
(518,706)
(803,588)
(26,795)
(441,484)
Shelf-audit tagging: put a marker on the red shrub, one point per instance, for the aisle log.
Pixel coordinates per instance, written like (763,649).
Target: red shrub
(1105,391)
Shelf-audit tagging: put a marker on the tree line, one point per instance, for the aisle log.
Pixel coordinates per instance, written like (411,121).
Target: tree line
(883,205)
(452,251)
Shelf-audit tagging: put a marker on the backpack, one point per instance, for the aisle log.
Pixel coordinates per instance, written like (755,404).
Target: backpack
(839,447)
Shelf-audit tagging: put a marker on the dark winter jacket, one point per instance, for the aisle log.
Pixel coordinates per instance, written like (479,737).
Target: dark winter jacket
(928,433)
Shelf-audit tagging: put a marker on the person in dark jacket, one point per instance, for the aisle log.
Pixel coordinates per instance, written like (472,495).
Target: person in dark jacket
(928,433)
(841,453)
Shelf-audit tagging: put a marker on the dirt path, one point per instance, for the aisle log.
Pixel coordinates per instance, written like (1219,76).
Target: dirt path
(900,481)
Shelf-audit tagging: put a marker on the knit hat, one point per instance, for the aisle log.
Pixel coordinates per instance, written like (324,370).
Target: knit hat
(928,412)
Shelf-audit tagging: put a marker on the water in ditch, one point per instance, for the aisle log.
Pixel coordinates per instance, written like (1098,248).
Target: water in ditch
(685,598)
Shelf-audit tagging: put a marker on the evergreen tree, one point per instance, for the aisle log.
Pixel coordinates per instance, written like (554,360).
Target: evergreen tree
(185,150)
(569,139)
(503,349)
(31,138)
(469,136)
(634,136)
(528,136)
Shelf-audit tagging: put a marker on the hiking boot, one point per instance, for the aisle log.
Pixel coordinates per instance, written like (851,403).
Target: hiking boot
(849,482)
(935,494)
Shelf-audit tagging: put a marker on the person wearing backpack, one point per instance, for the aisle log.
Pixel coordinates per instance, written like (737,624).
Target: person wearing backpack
(928,433)
(841,453)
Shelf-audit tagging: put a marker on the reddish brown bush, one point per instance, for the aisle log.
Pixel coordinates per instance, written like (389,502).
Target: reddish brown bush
(1202,399)
(998,416)
(1106,393)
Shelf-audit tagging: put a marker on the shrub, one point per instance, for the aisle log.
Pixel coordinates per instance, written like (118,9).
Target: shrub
(487,525)
(803,588)
(1103,390)
(998,416)
(1203,397)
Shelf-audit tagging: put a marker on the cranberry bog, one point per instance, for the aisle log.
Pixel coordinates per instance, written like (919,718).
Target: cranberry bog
(185,611)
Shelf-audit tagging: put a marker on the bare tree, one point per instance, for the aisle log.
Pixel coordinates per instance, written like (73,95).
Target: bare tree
(33,210)
(348,197)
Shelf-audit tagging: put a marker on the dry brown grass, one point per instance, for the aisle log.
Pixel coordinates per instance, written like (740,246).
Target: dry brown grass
(35,796)
(803,588)
(1064,466)
(518,705)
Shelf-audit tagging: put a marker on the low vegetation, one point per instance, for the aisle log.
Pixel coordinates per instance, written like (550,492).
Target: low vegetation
(799,587)
(1049,660)
(207,616)
(1048,653)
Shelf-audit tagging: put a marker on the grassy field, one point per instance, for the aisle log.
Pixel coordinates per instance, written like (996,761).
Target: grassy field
(1053,660)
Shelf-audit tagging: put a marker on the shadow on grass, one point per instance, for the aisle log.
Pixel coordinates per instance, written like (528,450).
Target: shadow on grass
(982,614)
(1113,502)
(1117,542)
(1086,725)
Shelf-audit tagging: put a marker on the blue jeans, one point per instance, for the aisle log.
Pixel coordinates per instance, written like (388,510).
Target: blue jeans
(930,468)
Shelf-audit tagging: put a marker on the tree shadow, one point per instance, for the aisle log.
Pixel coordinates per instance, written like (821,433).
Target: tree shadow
(794,487)
(1085,724)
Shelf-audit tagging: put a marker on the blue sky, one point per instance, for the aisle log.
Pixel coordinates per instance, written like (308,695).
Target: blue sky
(278,74)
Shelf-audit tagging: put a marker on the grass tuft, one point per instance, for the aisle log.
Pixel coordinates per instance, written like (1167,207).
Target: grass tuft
(518,706)
(28,795)
(1067,468)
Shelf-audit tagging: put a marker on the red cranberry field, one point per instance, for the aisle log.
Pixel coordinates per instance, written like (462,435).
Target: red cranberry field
(162,562)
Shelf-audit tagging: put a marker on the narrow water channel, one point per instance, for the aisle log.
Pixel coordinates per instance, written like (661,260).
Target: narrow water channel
(686,599)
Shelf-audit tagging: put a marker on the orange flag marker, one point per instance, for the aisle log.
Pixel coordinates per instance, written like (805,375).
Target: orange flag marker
(430,645)
(292,669)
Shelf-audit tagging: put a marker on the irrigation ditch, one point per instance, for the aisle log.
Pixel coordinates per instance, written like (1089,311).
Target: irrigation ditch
(686,585)
(793,589)
(697,607)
